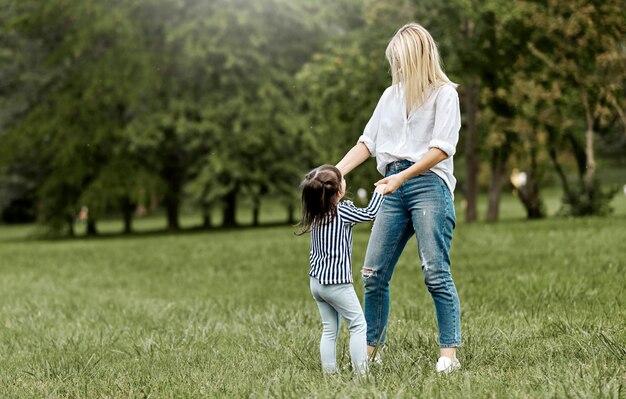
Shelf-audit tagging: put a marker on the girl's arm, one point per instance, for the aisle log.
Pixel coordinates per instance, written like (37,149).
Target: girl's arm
(351,214)
(432,158)
(353,158)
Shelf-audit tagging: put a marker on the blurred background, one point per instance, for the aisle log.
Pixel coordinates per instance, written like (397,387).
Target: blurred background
(122,116)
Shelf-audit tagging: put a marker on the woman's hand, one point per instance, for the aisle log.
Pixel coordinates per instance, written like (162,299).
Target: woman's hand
(391,182)
(432,158)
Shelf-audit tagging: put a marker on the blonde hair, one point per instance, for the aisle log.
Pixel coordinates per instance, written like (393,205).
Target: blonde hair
(415,65)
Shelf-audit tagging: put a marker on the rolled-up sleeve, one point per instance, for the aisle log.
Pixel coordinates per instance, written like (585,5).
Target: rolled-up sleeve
(371,129)
(447,121)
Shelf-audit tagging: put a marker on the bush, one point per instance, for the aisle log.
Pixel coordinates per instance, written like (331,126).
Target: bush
(595,202)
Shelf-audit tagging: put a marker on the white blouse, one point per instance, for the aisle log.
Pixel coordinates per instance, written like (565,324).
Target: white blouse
(391,136)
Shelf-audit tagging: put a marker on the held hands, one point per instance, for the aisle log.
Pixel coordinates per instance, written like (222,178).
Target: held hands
(380,189)
(390,184)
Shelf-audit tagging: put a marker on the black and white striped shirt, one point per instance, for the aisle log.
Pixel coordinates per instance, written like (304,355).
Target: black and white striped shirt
(331,243)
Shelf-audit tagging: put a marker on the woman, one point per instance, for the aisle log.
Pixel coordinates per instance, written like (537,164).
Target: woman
(413,135)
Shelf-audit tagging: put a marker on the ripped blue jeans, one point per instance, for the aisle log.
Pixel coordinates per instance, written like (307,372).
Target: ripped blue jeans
(422,206)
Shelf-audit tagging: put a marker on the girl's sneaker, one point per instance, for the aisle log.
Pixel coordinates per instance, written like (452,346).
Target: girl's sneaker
(447,365)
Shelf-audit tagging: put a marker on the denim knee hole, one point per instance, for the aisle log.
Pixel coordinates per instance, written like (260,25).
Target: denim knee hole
(367,273)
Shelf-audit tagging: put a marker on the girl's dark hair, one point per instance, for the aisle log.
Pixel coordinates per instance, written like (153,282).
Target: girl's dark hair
(319,196)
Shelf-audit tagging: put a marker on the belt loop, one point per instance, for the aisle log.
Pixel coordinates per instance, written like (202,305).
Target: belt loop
(398,164)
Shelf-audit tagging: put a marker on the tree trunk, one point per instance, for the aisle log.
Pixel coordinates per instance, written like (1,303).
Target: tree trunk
(529,194)
(470,97)
(495,188)
(91,227)
(531,200)
(256,208)
(579,154)
(560,172)
(172,203)
(70,226)
(173,172)
(557,166)
(290,210)
(172,215)
(206,217)
(589,156)
(471,158)
(499,154)
(128,208)
(230,209)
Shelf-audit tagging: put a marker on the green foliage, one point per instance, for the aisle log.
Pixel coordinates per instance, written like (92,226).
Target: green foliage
(578,60)
(113,102)
(341,86)
(254,138)
(549,72)
(163,96)
(73,131)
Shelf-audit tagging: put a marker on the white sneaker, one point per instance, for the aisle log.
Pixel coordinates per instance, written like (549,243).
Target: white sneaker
(375,361)
(447,365)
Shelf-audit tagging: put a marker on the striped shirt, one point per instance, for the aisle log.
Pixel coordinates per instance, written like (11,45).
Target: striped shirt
(331,243)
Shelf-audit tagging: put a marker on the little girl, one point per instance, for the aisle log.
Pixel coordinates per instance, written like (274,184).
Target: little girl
(330,223)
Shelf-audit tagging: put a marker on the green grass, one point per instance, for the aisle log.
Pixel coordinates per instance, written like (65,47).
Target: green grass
(228,314)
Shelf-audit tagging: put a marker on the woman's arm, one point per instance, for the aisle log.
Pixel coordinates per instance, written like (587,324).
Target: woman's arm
(430,159)
(443,144)
(353,158)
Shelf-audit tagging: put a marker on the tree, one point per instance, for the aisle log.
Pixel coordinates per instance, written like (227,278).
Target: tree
(580,44)
(456,26)
(75,124)
(22,78)
(534,110)
(479,42)
(342,84)
(255,126)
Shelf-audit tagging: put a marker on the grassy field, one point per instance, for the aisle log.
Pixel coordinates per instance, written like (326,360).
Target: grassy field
(228,314)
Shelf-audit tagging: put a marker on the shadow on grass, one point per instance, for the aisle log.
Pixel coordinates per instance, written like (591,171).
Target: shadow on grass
(43,236)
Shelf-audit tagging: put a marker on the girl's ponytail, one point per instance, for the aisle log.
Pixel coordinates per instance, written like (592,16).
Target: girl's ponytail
(319,196)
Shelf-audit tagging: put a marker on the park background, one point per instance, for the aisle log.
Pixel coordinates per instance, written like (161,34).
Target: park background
(150,156)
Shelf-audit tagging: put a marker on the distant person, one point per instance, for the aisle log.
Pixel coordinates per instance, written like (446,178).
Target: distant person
(330,223)
(413,134)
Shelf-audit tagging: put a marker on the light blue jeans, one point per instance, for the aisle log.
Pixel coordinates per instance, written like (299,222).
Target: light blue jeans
(334,300)
(422,206)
